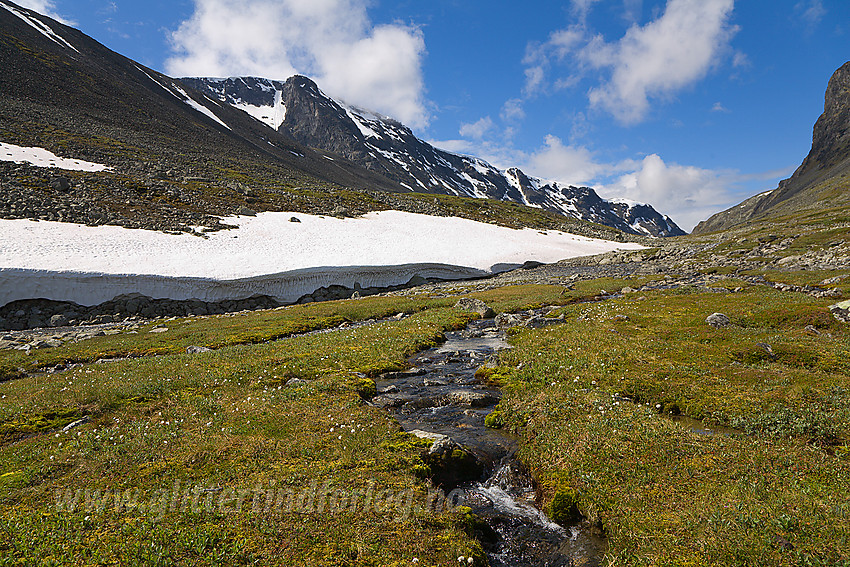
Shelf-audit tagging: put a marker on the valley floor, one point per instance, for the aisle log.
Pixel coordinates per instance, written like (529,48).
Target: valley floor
(261,450)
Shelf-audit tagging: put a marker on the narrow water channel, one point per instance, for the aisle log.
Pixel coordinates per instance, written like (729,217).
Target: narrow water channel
(440,397)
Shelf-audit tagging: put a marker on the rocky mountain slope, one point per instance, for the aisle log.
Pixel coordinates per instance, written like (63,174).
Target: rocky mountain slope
(176,158)
(299,109)
(820,180)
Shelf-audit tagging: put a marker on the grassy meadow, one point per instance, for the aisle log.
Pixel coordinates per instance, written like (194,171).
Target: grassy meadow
(221,458)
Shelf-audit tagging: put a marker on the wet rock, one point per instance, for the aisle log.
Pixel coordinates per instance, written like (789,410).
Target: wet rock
(390,400)
(507,320)
(470,398)
(451,463)
(476,305)
(718,320)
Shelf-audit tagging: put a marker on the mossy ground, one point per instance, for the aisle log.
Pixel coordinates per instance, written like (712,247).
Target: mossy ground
(773,493)
(223,428)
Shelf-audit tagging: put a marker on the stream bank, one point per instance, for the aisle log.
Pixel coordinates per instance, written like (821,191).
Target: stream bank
(441,399)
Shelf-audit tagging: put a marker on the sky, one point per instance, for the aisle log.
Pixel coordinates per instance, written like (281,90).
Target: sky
(689,105)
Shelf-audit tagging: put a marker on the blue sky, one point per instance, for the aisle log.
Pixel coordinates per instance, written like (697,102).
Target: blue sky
(690,105)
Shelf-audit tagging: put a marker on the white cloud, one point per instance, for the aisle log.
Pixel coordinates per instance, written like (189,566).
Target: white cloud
(331,41)
(46,7)
(686,193)
(653,61)
(570,165)
(811,12)
(718,107)
(660,58)
(477,130)
(512,110)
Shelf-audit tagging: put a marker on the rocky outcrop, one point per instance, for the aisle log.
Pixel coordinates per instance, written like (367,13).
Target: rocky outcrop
(829,158)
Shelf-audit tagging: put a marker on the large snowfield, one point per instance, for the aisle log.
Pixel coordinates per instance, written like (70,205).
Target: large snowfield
(268,254)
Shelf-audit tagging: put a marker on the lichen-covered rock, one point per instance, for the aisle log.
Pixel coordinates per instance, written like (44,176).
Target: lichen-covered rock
(841,311)
(476,305)
(718,320)
(450,463)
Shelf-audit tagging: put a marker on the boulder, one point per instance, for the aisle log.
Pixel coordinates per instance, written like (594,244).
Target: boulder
(505,320)
(718,320)
(476,305)
(841,311)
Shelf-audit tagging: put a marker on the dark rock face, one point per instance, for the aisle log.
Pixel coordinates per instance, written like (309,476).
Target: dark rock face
(389,148)
(831,137)
(828,158)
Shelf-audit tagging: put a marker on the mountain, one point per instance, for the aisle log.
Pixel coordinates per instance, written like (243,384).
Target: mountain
(176,157)
(298,109)
(819,181)
(180,159)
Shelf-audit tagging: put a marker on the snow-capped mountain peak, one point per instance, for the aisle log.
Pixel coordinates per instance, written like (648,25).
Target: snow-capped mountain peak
(298,108)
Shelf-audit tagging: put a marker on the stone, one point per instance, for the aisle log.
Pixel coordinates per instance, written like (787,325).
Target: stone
(58,320)
(718,320)
(476,305)
(245,212)
(294,219)
(841,311)
(471,398)
(62,184)
(505,320)
(196,349)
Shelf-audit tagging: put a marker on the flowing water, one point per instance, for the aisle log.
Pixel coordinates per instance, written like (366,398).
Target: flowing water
(440,395)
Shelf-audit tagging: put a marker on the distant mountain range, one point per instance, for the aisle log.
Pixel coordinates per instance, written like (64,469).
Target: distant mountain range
(182,152)
(818,180)
(299,109)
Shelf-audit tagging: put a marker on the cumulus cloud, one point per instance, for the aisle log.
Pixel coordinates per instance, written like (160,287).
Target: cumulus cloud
(334,42)
(567,164)
(652,61)
(478,129)
(660,58)
(46,7)
(686,193)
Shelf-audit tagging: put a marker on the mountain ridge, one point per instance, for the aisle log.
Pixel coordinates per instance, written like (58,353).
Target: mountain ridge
(299,109)
(811,182)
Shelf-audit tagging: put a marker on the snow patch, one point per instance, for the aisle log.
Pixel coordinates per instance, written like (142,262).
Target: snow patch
(361,124)
(272,116)
(41,157)
(198,106)
(41,27)
(267,254)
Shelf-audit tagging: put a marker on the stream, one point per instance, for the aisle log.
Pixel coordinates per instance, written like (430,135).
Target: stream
(440,398)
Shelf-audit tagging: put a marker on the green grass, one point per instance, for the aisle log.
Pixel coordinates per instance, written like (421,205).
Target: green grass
(225,420)
(775,493)
(216,427)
